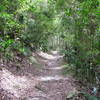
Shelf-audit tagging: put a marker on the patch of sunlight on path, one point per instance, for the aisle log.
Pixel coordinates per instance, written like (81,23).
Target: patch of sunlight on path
(46,56)
(51,78)
(54,52)
(55,68)
(49,56)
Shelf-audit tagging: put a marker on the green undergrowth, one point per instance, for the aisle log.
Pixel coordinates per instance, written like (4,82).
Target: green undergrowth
(68,69)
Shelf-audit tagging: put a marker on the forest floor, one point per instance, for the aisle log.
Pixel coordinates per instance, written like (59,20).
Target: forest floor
(42,81)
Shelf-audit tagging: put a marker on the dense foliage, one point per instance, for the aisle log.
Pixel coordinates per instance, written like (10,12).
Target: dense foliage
(29,25)
(83,39)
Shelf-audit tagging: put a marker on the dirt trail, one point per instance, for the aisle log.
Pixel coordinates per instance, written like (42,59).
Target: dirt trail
(49,84)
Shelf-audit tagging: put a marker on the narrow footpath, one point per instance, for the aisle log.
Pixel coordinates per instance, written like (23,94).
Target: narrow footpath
(49,84)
